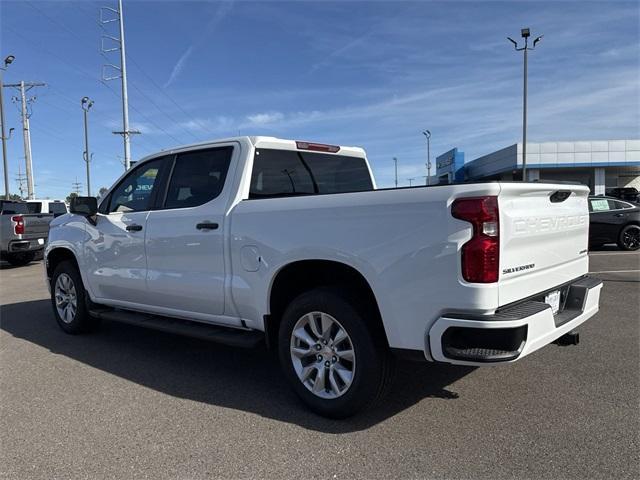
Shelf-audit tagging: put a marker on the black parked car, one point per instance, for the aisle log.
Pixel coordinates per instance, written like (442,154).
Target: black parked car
(624,193)
(614,221)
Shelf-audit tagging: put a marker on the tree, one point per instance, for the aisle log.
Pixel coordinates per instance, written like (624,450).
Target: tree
(102,192)
(15,196)
(70,196)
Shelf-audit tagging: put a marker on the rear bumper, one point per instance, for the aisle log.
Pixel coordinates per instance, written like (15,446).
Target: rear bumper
(27,245)
(513,332)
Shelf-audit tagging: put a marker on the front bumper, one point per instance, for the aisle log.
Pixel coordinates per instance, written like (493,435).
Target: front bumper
(512,332)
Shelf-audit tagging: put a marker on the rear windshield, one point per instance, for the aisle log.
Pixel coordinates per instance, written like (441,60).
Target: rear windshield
(11,208)
(57,207)
(34,207)
(279,173)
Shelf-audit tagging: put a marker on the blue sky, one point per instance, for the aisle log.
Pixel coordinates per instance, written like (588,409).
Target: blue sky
(372,74)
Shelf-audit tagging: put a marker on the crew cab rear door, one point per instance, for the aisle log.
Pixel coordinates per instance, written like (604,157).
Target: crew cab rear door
(185,245)
(544,236)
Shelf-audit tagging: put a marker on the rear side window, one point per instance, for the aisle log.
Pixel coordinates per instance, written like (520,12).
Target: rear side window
(279,173)
(13,208)
(198,177)
(616,205)
(57,207)
(34,207)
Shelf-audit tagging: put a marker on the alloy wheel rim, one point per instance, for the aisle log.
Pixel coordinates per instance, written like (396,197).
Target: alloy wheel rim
(323,355)
(66,298)
(631,238)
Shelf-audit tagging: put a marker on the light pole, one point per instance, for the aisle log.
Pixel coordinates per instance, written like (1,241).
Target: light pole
(7,61)
(427,134)
(86,103)
(395,161)
(526,33)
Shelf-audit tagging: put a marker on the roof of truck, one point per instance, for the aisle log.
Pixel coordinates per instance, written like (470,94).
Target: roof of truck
(260,141)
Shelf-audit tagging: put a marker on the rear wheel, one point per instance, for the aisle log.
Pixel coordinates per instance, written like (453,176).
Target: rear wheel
(629,238)
(68,300)
(20,259)
(331,353)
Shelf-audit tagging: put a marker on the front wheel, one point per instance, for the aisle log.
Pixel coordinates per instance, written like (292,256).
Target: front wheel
(21,259)
(629,238)
(68,300)
(332,354)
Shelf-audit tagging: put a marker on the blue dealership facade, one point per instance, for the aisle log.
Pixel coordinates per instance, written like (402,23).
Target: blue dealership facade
(600,164)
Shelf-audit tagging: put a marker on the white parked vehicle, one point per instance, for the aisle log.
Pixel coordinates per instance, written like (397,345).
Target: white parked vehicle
(56,207)
(255,239)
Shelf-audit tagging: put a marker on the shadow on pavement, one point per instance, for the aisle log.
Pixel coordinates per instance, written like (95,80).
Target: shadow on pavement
(248,380)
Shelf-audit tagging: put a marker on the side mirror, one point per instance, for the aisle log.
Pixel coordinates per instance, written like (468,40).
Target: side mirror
(85,206)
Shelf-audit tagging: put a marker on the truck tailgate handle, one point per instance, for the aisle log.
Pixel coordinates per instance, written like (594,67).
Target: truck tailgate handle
(134,227)
(207,226)
(560,196)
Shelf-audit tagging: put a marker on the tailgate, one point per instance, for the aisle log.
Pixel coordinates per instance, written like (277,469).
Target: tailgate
(544,235)
(36,225)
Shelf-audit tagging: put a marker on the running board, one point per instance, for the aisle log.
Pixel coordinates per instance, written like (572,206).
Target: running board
(227,336)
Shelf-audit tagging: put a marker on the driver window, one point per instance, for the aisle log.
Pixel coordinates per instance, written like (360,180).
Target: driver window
(134,192)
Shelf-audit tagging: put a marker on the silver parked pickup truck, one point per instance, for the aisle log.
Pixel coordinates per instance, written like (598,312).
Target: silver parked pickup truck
(22,234)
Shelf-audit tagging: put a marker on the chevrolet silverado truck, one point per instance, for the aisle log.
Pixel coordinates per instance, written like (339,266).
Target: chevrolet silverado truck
(254,240)
(22,234)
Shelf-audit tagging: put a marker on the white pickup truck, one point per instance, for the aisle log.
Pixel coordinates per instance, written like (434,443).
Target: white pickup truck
(256,239)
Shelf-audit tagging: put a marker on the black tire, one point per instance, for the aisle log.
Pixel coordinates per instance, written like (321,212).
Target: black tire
(80,321)
(21,259)
(629,238)
(374,363)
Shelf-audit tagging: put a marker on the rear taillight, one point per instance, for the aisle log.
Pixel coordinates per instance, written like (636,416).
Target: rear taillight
(18,224)
(481,254)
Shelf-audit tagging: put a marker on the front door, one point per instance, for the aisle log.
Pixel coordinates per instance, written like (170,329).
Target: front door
(114,250)
(185,237)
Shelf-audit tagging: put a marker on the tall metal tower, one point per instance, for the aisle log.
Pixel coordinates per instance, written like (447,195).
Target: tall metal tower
(25,113)
(105,13)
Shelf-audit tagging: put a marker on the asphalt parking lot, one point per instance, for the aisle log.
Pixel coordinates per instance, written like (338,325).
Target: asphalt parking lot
(131,403)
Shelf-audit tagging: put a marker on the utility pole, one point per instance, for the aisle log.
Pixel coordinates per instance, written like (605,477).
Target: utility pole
(86,103)
(411,181)
(126,133)
(5,164)
(395,161)
(24,87)
(526,33)
(77,186)
(427,134)
(20,179)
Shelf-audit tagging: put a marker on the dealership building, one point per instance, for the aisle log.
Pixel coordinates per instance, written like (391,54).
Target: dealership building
(600,164)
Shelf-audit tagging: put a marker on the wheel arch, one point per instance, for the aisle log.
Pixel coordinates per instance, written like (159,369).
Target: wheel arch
(299,276)
(57,255)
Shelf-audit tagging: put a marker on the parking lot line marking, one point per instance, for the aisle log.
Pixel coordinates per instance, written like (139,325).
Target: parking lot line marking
(618,271)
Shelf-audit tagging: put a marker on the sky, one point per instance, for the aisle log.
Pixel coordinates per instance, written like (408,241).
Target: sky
(373,74)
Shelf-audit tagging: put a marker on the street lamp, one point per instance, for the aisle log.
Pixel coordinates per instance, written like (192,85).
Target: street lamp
(526,33)
(395,161)
(86,103)
(7,61)
(427,134)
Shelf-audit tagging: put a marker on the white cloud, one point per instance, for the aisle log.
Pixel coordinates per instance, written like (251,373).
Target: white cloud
(265,118)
